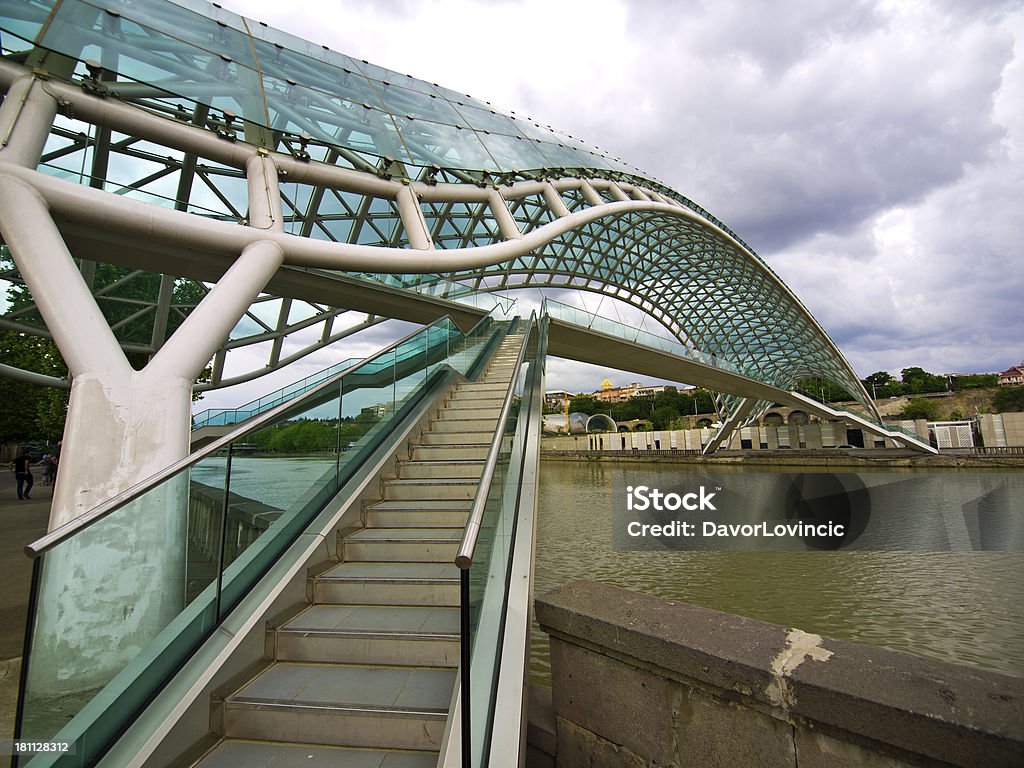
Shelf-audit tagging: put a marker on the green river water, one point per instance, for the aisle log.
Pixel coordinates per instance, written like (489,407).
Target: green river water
(962,607)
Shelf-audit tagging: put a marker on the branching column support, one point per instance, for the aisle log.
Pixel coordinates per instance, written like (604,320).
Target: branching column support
(741,412)
(122,426)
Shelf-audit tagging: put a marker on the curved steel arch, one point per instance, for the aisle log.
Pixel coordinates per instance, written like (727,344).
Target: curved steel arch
(696,281)
(383,165)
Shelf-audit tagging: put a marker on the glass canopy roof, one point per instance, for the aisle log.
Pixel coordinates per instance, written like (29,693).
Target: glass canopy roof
(194,62)
(200,52)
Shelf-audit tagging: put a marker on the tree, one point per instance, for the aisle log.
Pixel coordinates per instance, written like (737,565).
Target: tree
(31,411)
(882,384)
(975,381)
(1008,399)
(664,416)
(917,381)
(37,411)
(921,408)
(586,404)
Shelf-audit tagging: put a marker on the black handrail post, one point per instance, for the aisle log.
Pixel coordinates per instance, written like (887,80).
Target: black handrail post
(464,652)
(33,600)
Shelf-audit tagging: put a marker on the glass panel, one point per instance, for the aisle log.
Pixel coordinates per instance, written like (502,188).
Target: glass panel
(117,602)
(488,120)
(446,145)
(24,20)
(514,153)
(223,416)
(487,580)
(280,477)
(583,318)
(409,103)
(274,79)
(124,602)
(143,53)
(488,575)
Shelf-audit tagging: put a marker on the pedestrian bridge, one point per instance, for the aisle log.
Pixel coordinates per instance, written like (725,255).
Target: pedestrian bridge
(190,200)
(348,566)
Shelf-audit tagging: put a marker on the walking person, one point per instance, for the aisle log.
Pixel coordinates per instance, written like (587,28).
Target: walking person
(22,466)
(49,467)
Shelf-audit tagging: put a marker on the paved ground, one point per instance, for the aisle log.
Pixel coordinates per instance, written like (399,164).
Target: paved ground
(21,522)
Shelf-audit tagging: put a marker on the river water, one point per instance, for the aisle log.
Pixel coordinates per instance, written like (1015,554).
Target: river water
(966,607)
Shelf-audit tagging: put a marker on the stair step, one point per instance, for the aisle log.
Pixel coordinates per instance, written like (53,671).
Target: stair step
(450,424)
(457,438)
(471,393)
(398,635)
(232,753)
(430,488)
(460,468)
(416,518)
(477,451)
(383,583)
(407,545)
(343,705)
(421,505)
(491,387)
(471,410)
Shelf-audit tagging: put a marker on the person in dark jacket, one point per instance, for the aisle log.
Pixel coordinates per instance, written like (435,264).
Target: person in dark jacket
(22,466)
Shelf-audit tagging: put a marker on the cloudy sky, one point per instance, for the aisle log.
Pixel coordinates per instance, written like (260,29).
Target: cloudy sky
(871,152)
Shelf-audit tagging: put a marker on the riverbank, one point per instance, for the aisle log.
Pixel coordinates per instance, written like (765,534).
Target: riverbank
(829,458)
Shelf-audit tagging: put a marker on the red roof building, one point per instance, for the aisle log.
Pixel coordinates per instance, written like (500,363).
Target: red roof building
(1013,377)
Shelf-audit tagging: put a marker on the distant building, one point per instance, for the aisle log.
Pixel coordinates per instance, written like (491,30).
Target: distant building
(1012,377)
(608,393)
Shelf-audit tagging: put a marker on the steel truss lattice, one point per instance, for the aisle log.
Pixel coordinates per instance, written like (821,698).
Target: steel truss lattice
(371,176)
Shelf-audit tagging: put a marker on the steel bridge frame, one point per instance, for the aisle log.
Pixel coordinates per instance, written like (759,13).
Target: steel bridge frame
(95,150)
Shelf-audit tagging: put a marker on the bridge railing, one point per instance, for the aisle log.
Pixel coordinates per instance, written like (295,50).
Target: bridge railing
(124,594)
(885,424)
(584,319)
(488,553)
(216,417)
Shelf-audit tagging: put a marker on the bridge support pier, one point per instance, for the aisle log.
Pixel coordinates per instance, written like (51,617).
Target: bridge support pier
(122,426)
(743,409)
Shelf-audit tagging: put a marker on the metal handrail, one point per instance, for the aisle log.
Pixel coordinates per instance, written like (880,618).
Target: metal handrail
(464,557)
(201,419)
(97,513)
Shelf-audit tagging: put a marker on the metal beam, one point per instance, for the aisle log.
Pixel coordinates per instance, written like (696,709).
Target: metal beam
(724,433)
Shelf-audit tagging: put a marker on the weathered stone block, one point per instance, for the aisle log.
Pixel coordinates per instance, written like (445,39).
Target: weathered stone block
(673,682)
(580,748)
(816,750)
(626,705)
(715,733)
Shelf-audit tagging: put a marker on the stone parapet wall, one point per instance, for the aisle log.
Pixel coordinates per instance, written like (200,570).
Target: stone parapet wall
(247,520)
(641,681)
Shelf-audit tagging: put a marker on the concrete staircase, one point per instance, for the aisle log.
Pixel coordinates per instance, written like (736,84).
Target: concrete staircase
(364,675)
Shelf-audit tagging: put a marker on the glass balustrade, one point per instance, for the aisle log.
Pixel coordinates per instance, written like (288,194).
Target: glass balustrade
(485,580)
(122,603)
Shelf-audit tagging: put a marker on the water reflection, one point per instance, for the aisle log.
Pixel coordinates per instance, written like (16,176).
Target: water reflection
(961,606)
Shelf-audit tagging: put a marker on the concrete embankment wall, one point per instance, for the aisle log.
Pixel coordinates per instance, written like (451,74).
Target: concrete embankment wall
(997,431)
(640,681)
